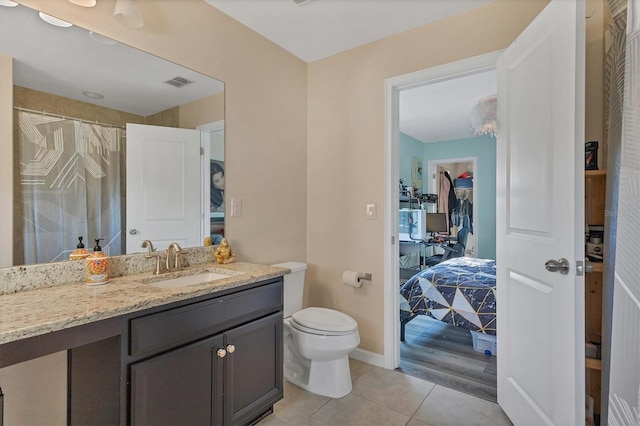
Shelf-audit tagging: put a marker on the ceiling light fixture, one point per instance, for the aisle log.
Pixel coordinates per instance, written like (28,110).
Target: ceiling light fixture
(8,3)
(128,13)
(484,120)
(54,21)
(84,3)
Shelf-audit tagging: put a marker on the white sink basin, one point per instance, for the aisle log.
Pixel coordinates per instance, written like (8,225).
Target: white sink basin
(188,280)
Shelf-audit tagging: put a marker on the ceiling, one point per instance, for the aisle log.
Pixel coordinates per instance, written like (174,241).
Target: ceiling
(315,29)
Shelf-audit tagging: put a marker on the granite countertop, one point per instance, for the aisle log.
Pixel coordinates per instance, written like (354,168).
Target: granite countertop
(39,311)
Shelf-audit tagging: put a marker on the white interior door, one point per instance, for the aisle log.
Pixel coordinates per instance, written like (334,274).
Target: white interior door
(540,216)
(163,187)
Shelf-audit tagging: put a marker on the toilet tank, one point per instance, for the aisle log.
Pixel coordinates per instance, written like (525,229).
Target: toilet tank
(293,286)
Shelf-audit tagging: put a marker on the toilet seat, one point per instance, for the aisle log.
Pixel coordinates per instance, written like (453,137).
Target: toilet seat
(323,321)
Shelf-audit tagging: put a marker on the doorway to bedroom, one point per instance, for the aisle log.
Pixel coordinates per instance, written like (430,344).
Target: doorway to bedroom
(456,179)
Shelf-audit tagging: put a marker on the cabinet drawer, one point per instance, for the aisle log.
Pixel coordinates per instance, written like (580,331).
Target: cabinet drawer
(163,330)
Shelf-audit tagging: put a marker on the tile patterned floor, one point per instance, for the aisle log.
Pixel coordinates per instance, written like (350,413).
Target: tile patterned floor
(384,397)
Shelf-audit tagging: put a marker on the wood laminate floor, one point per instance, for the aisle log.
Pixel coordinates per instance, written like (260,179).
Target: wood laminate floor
(444,355)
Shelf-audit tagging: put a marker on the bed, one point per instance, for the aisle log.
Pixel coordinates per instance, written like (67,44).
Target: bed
(459,291)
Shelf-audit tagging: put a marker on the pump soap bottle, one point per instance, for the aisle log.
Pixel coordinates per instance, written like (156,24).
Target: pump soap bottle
(97,266)
(80,252)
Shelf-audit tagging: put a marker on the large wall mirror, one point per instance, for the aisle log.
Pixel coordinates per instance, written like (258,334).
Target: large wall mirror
(81,103)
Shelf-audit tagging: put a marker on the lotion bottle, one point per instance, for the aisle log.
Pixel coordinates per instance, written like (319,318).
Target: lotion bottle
(97,266)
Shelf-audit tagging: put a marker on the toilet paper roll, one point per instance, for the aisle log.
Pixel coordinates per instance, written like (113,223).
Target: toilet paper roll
(352,278)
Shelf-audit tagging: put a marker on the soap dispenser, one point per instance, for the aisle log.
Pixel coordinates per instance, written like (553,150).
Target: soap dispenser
(97,266)
(80,252)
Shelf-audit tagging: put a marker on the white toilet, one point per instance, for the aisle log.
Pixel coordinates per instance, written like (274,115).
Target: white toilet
(317,341)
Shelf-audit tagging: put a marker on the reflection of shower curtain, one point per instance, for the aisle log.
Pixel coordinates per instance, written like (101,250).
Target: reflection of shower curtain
(71,181)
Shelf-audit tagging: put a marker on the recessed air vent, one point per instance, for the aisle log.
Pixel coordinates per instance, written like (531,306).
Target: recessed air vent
(179,81)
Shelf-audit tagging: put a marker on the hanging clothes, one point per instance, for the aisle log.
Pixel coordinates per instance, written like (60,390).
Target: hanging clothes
(447,201)
(465,212)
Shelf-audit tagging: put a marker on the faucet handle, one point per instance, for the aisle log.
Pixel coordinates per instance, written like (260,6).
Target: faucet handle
(178,253)
(157,257)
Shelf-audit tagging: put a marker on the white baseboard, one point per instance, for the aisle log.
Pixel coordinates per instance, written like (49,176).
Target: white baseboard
(368,357)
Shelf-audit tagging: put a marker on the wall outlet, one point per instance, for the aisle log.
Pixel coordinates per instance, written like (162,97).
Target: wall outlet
(236,207)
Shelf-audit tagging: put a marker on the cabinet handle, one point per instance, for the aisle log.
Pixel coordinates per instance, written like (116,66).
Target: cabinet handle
(231,349)
(221,353)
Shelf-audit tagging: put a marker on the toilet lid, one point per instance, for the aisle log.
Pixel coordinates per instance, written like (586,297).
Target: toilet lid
(324,320)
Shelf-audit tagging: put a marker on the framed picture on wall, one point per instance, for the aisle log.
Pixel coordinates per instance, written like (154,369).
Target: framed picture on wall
(416,173)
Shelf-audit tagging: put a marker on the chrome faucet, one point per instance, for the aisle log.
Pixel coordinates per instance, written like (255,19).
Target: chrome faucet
(152,254)
(174,248)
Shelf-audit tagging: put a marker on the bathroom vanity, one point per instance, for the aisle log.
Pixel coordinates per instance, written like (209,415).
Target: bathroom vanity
(201,354)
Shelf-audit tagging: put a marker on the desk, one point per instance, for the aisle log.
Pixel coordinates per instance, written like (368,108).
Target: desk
(408,248)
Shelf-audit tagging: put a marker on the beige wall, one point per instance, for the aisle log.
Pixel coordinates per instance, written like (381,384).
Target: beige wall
(346,143)
(594,76)
(36,391)
(346,149)
(203,111)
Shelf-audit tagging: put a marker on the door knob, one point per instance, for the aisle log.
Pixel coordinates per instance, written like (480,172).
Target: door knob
(561,265)
(583,267)
(133,231)
(221,353)
(231,349)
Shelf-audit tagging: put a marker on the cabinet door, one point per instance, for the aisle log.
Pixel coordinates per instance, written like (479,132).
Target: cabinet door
(176,388)
(253,375)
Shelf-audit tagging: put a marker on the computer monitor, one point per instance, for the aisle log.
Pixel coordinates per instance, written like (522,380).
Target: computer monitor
(437,222)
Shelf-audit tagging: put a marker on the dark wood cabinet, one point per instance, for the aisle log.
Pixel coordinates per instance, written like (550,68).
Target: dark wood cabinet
(214,362)
(176,388)
(253,372)
(228,379)
(215,359)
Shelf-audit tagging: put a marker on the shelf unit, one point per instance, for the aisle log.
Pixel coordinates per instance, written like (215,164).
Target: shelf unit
(595,184)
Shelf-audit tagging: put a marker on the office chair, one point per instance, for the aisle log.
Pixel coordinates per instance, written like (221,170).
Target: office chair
(451,250)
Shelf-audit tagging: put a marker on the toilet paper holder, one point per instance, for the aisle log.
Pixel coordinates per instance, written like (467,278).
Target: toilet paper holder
(354,278)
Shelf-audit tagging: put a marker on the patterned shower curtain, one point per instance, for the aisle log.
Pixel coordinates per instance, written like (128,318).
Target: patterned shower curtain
(70,185)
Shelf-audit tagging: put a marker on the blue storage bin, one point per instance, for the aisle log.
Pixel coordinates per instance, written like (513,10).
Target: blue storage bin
(463,183)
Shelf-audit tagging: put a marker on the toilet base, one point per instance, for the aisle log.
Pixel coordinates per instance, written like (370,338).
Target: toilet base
(327,378)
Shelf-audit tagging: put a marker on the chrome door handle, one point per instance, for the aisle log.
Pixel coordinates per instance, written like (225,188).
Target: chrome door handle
(561,265)
(583,267)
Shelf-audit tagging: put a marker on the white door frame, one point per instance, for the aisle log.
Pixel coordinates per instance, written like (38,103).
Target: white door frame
(205,145)
(393,87)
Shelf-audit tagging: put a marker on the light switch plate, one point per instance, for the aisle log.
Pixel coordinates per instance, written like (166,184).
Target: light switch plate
(236,207)
(372,214)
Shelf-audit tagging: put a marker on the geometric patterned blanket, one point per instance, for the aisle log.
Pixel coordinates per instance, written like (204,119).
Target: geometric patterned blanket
(459,291)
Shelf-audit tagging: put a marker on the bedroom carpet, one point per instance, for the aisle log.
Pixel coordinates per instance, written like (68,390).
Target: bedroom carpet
(444,355)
